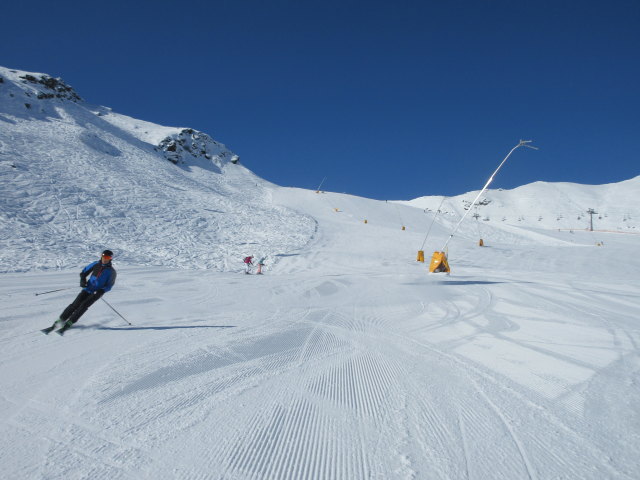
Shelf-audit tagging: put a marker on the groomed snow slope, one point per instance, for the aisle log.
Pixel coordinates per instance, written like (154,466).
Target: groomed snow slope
(345,360)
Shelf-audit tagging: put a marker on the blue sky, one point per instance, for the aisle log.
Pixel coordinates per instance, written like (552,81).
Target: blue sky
(387,100)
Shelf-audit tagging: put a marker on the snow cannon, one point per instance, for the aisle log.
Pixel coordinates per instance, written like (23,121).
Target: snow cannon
(439,263)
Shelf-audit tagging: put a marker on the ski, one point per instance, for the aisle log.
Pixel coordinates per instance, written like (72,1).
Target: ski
(50,329)
(58,323)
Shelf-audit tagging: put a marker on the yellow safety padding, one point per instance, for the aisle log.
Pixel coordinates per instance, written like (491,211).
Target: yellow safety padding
(403,227)
(420,256)
(481,243)
(439,263)
(365,220)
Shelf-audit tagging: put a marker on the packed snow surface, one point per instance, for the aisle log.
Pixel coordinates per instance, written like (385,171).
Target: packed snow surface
(346,359)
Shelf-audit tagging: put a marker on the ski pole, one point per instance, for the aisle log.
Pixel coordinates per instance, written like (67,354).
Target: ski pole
(115,311)
(51,291)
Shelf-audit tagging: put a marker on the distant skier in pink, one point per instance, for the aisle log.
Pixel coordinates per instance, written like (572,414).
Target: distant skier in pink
(248,262)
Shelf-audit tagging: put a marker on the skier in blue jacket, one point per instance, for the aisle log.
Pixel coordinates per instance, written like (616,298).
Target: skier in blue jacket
(102,277)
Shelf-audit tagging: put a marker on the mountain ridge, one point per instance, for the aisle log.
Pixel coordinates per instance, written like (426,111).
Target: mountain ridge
(550,205)
(78,178)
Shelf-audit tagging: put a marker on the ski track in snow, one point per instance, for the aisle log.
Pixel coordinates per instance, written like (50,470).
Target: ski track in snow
(306,387)
(330,376)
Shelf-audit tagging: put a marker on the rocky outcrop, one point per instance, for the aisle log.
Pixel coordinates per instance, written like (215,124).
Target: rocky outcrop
(49,87)
(189,144)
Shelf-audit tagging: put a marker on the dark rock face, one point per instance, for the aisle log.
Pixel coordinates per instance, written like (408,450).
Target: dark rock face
(54,87)
(190,144)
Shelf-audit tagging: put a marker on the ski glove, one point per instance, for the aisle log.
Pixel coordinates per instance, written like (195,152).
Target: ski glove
(99,293)
(83,282)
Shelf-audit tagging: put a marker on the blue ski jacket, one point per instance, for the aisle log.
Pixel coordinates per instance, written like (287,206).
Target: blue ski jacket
(103,276)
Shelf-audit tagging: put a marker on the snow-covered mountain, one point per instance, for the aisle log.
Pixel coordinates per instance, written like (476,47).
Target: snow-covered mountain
(346,359)
(77,177)
(549,206)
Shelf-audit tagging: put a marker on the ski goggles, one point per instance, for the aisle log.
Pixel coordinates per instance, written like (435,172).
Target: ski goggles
(107,257)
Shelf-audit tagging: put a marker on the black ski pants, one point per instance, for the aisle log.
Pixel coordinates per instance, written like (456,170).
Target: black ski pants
(80,305)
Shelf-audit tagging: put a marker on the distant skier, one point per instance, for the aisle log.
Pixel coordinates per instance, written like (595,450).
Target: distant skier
(260,265)
(248,262)
(102,277)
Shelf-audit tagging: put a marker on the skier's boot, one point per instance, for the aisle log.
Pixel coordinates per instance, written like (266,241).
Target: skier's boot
(67,325)
(55,325)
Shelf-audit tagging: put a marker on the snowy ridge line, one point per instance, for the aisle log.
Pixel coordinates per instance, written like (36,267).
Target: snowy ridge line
(547,205)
